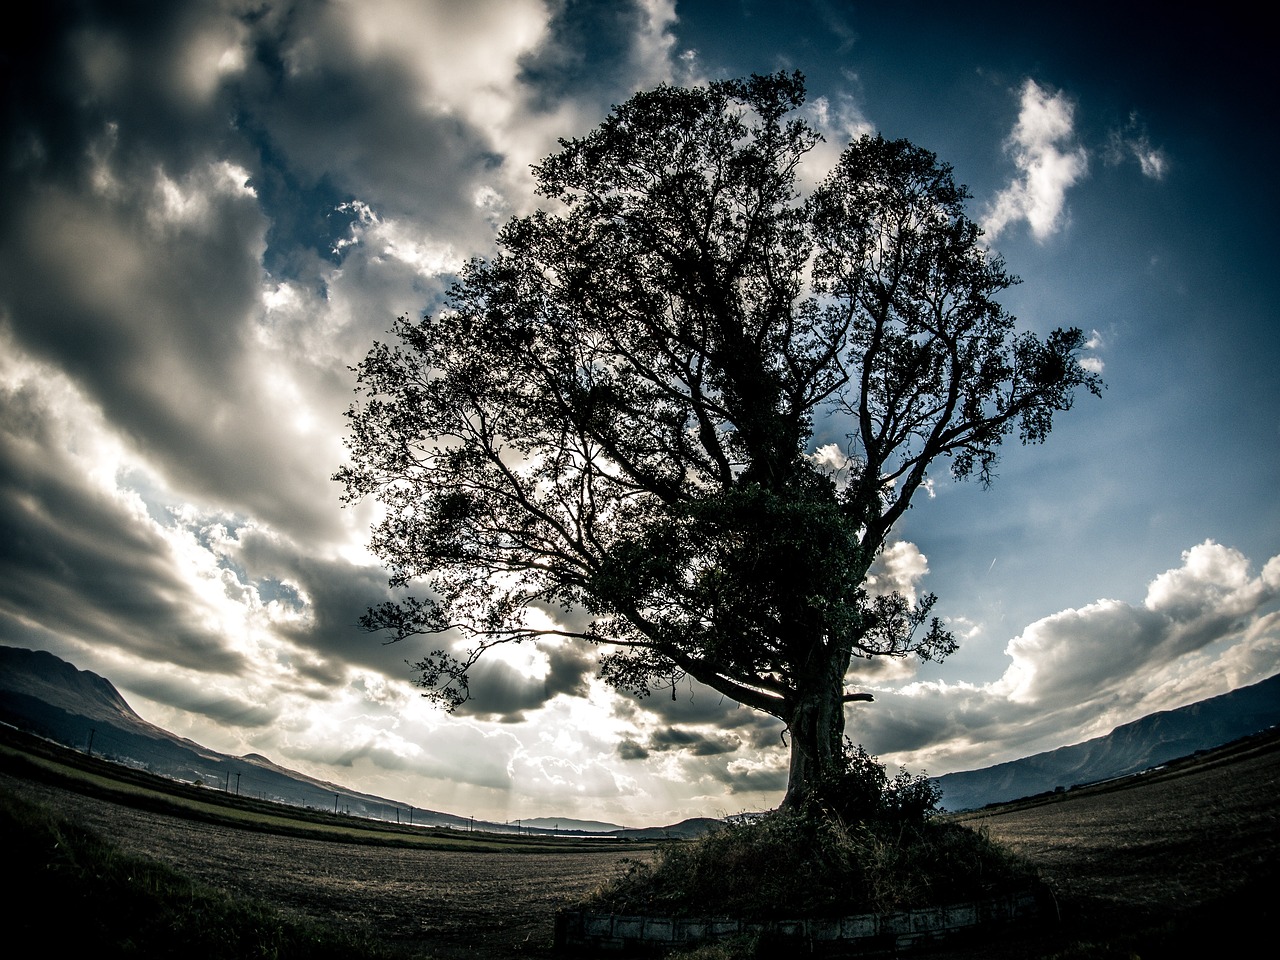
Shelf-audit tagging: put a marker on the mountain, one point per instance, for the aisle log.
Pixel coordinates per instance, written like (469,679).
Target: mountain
(689,829)
(1130,748)
(570,824)
(45,695)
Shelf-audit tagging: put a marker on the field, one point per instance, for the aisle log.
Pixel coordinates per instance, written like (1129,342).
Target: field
(1146,867)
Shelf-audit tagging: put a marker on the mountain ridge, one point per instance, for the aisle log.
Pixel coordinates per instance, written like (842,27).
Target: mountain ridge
(48,696)
(1129,748)
(45,694)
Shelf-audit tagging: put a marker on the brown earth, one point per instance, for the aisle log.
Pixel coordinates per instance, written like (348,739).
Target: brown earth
(1171,863)
(1153,866)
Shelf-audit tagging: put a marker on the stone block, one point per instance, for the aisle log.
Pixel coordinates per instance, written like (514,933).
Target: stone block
(825,929)
(658,930)
(960,915)
(896,923)
(688,931)
(859,926)
(597,925)
(927,920)
(629,927)
(724,928)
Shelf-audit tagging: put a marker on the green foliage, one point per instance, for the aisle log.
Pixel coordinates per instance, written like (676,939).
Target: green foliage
(863,843)
(78,894)
(861,792)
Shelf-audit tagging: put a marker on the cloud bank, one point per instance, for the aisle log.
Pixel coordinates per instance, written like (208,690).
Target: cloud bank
(1204,628)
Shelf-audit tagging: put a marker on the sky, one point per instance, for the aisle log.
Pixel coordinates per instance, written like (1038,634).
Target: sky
(213,209)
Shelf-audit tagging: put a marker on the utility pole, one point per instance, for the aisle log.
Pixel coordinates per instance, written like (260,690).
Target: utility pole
(92,731)
(335,803)
(237,783)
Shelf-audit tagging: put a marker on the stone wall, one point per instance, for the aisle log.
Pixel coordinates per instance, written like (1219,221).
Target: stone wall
(862,934)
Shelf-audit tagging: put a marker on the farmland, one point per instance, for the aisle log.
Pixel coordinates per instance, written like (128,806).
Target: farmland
(1147,866)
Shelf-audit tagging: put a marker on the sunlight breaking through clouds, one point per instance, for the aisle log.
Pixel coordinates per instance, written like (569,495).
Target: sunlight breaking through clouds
(214,209)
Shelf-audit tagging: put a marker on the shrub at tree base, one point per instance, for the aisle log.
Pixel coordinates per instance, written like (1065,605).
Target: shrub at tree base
(862,844)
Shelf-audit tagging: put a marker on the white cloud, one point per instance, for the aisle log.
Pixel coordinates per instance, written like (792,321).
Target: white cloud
(830,459)
(655,42)
(1093,364)
(1203,629)
(399,240)
(1213,579)
(1049,163)
(898,568)
(1132,142)
(839,122)
(191,202)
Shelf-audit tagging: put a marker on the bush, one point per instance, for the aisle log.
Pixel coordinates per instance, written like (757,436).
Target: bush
(861,843)
(863,793)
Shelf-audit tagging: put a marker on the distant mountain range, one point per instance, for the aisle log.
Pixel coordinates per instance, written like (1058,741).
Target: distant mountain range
(1130,748)
(45,695)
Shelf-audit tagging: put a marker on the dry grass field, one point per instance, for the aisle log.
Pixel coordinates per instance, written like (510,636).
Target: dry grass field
(1169,864)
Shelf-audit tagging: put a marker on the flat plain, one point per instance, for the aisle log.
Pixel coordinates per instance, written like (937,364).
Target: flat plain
(1170,863)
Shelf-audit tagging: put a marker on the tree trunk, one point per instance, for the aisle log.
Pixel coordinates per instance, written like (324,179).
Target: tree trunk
(816,729)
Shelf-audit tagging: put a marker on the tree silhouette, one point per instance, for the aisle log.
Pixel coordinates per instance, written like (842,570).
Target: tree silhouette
(606,433)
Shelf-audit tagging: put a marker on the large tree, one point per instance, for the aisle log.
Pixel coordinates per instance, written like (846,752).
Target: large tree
(607,431)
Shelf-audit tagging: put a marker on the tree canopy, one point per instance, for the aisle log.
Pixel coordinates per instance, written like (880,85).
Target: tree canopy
(607,431)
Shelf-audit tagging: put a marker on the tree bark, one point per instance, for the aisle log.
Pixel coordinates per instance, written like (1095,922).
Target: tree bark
(816,729)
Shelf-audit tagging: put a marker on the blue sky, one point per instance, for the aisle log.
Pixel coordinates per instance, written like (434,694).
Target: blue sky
(213,208)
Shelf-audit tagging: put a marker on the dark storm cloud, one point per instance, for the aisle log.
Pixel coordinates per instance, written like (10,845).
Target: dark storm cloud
(220,707)
(361,130)
(630,750)
(335,594)
(765,779)
(133,255)
(73,69)
(592,47)
(131,258)
(691,742)
(695,704)
(501,693)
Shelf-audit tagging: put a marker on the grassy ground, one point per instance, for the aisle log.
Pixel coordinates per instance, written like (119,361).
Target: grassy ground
(1184,862)
(76,892)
